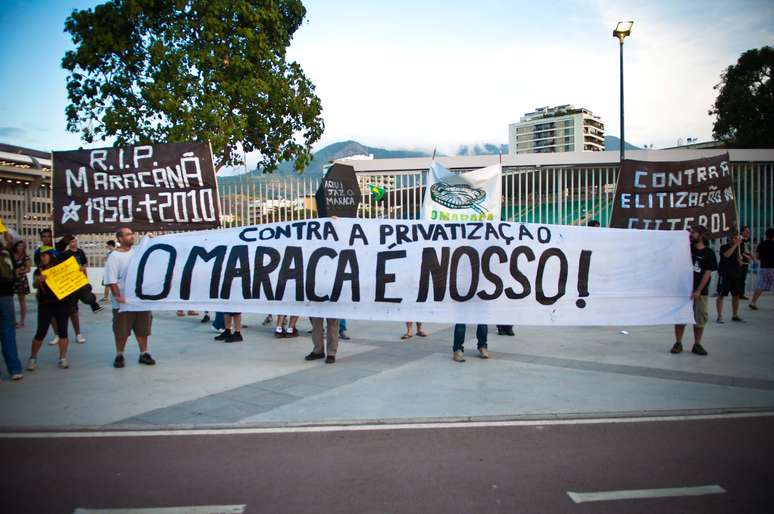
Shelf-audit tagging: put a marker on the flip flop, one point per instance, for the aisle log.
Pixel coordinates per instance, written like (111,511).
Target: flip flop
(421,334)
(406,336)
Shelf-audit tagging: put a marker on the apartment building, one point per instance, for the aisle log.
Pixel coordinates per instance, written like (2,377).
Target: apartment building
(564,128)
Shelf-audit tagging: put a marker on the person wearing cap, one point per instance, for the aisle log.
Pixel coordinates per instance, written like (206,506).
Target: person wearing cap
(704,263)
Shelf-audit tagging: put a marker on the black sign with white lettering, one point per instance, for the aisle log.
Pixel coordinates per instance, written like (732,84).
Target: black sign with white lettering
(144,187)
(676,195)
(339,193)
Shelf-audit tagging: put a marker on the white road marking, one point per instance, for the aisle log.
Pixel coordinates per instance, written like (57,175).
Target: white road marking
(373,427)
(645,493)
(199,509)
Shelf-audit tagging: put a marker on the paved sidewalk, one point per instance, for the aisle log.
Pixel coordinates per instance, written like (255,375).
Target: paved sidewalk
(540,372)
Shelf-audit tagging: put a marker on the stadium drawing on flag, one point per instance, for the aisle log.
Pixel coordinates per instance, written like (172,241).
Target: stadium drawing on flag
(471,196)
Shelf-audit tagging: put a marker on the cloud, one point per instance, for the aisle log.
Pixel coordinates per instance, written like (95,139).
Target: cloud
(12,132)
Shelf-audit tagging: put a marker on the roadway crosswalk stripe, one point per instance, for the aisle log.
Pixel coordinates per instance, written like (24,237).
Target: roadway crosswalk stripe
(645,493)
(194,509)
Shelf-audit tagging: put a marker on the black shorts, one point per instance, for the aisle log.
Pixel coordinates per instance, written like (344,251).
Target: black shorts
(60,311)
(730,283)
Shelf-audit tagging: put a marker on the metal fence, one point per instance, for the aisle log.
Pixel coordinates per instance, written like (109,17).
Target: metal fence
(563,195)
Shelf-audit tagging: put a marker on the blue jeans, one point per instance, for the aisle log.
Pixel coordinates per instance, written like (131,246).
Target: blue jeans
(8,336)
(459,336)
(219,322)
(342,325)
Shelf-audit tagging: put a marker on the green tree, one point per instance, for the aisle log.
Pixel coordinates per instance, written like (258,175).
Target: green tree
(744,108)
(183,70)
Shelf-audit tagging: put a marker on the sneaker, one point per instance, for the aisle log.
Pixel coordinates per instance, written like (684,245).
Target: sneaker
(54,341)
(314,356)
(720,320)
(753,307)
(236,337)
(330,359)
(223,335)
(205,319)
(119,362)
(483,352)
(63,363)
(146,358)
(343,336)
(677,348)
(458,356)
(80,339)
(291,333)
(736,318)
(95,308)
(32,364)
(698,349)
(279,333)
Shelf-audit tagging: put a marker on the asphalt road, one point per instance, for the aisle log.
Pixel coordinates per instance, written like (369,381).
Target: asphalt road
(457,470)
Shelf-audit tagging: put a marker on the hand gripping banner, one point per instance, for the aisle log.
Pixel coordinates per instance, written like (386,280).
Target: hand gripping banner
(506,273)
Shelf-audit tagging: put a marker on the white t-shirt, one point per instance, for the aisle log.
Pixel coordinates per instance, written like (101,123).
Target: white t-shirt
(116,267)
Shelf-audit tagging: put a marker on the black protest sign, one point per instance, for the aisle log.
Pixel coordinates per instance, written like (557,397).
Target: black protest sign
(676,195)
(339,193)
(143,187)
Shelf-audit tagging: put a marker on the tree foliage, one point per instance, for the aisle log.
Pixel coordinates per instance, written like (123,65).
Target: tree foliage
(182,70)
(744,108)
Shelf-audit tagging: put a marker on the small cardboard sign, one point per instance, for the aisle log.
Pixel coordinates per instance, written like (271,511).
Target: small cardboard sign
(65,278)
(339,193)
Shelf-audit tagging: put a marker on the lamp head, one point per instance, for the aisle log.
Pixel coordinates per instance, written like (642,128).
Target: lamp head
(623,29)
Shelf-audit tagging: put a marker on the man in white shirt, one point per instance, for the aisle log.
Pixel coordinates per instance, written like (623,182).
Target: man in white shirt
(124,323)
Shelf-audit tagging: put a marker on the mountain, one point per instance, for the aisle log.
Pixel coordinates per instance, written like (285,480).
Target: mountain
(614,143)
(322,157)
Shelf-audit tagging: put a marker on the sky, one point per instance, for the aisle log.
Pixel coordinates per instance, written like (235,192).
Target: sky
(429,74)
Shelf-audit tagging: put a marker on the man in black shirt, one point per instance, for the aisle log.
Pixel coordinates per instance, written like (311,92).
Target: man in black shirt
(704,264)
(765,252)
(730,276)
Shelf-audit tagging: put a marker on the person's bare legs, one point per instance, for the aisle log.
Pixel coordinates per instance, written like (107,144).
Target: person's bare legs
(679,331)
(757,294)
(22,309)
(227,320)
(420,332)
(735,306)
(719,306)
(236,323)
(63,344)
(292,320)
(121,344)
(142,341)
(75,318)
(36,344)
(697,333)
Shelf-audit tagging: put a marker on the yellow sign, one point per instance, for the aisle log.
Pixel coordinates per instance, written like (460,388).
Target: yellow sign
(65,278)
(3,228)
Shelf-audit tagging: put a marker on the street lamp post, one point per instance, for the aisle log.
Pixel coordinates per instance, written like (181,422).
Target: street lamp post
(622,29)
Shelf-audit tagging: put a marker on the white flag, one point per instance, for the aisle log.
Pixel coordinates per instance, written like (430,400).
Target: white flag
(471,196)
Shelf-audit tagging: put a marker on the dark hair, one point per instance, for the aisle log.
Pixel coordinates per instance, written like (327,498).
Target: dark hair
(67,238)
(17,243)
(45,231)
(770,233)
(701,229)
(120,232)
(594,223)
(111,243)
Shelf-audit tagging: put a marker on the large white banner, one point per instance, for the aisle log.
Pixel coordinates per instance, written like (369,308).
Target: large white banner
(506,273)
(471,196)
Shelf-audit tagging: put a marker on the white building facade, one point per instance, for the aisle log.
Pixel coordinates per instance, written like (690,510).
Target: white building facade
(563,128)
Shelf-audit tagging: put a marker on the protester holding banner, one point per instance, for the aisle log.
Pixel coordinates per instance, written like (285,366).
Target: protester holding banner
(730,276)
(124,323)
(704,263)
(50,308)
(331,338)
(765,252)
(458,350)
(7,330)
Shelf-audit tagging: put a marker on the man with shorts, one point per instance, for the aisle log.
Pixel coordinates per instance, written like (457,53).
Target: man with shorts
(765,252)
(730,278)
(124,323)
(704,263)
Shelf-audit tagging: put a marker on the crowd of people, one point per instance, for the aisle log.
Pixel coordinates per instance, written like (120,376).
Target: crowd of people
(735,259)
